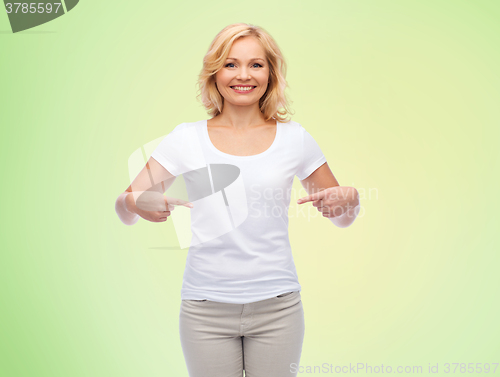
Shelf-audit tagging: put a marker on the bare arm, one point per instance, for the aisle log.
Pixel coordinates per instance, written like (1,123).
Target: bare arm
(323,178)
(126,217)
(152,178)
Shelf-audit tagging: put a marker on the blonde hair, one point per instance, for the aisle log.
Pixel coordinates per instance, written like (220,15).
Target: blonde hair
(273,99)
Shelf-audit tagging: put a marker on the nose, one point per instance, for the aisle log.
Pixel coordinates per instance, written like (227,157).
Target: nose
(243,74)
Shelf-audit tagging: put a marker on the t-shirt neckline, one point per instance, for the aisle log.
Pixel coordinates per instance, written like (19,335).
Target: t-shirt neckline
(267,151)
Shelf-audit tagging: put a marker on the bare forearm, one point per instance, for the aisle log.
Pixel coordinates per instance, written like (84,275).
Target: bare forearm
(126,217)
(345,220)
(352,210)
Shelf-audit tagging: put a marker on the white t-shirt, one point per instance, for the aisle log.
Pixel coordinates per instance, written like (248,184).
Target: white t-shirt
(240,250)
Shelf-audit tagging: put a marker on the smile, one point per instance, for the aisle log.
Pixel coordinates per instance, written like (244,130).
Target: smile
(243,89)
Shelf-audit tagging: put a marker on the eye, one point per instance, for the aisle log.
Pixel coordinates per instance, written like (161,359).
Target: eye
(253,64)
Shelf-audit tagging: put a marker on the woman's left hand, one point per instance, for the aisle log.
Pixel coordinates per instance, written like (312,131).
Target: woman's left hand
(333,201)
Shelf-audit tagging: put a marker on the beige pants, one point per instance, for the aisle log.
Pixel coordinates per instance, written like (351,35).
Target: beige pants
(263,337)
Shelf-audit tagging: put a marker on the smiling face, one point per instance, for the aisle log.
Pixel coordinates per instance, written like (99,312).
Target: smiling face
(245,67)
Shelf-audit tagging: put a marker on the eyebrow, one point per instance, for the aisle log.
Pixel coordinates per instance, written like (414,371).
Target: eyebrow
(250,59)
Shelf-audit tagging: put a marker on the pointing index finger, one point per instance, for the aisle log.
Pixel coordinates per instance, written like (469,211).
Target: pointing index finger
(179,202)
(304,199)
(312,197)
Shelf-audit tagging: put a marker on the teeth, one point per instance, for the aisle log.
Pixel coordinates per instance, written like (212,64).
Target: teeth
(243,88)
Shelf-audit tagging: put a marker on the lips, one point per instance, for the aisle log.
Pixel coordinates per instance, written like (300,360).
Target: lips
(246,89)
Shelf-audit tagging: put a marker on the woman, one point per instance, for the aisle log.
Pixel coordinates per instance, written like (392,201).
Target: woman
(241,306)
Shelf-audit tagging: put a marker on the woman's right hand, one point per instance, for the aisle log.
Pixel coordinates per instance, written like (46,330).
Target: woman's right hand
(152,205)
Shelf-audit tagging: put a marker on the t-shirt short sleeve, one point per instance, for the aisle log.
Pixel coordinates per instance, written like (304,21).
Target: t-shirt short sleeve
(168,153)
(312,156)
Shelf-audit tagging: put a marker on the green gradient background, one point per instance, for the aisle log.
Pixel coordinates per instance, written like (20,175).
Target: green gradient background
(402,98)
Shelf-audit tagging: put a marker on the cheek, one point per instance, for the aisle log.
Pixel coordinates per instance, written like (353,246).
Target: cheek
(220,79)
(264,78)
